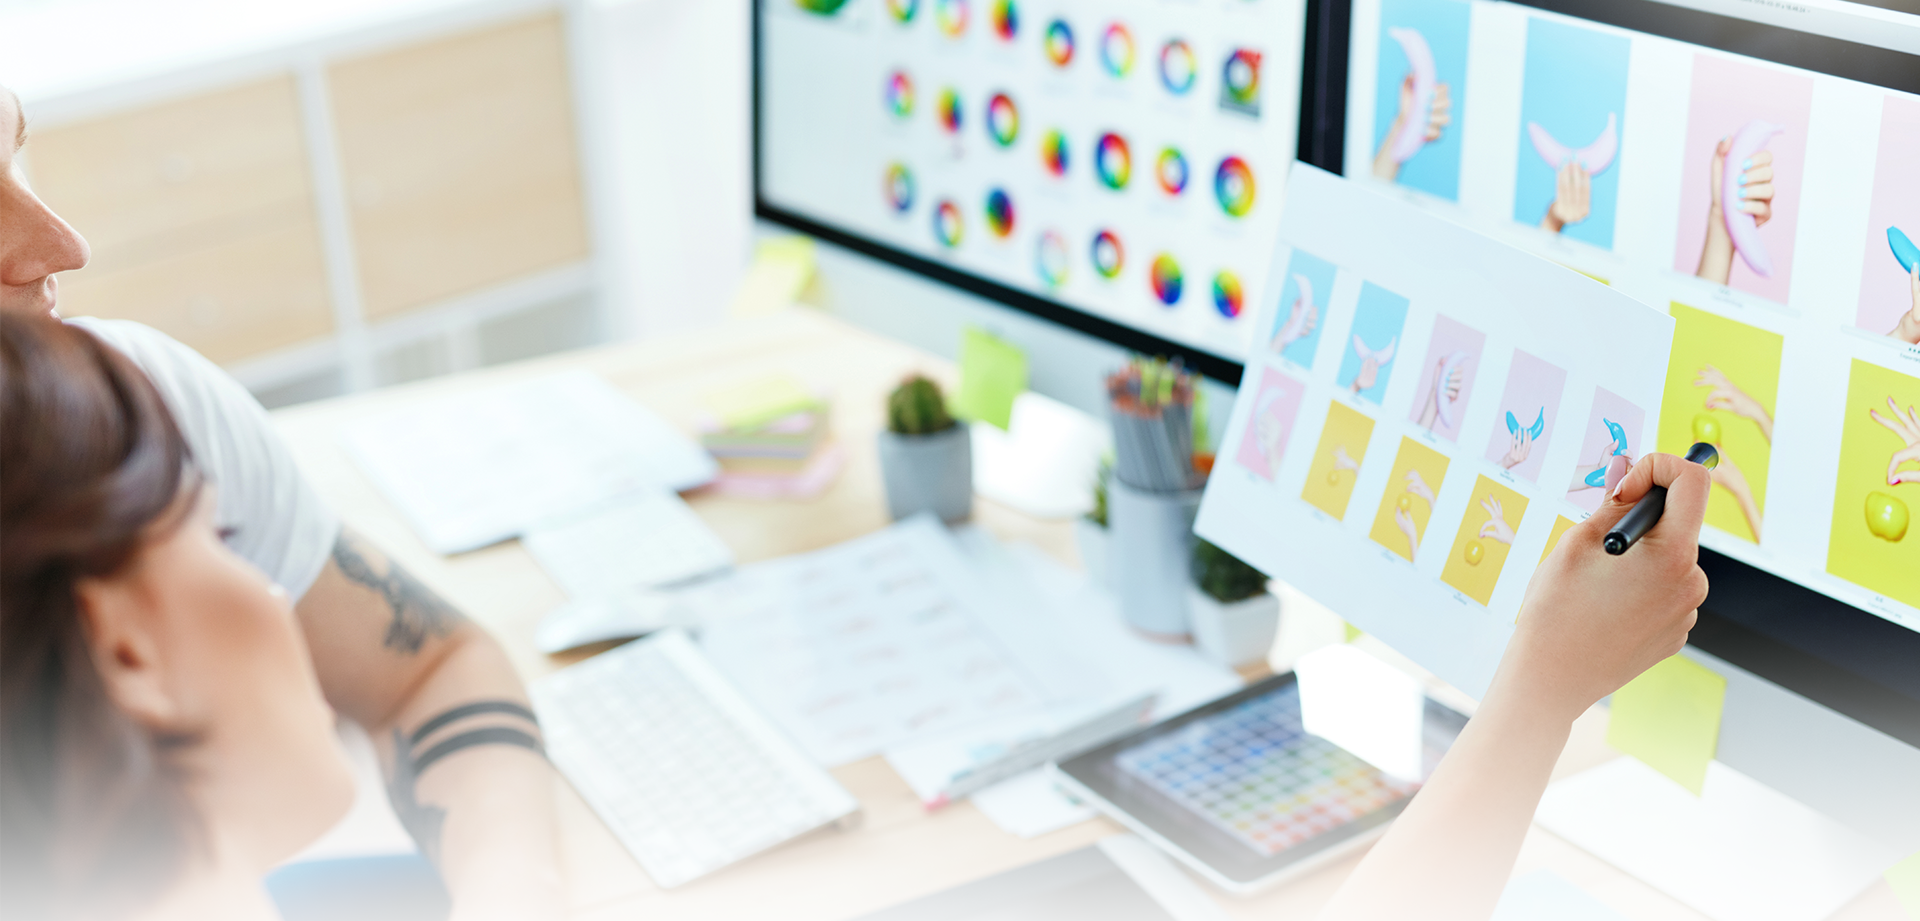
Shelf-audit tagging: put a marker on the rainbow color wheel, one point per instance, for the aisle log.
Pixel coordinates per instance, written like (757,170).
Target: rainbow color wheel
(951,15)
(1233,185)
(1050,259)
(1109,257)
(1113,161)
(1240,77)
(1053,152)
(1059,43)
(1171,171)
(1116,50)
(1167,280)
(1003,120)
(1000,213)
(900,188)
(903,10)
(1006,20)
(947,111)
(1177,67)
(948,225)
(1228,296)
(900,94)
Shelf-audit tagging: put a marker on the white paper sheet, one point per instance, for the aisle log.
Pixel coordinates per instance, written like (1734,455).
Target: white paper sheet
(882,641)
(1311,484)
(1373,710)
(1030,806)
(471,469)
(645,539)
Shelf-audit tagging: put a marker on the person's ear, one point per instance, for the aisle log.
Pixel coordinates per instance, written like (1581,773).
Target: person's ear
(120,628)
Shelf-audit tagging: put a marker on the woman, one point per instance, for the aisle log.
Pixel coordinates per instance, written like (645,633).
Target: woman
(163,740)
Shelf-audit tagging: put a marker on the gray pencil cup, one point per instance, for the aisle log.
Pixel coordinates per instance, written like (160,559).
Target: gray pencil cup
(1149,557)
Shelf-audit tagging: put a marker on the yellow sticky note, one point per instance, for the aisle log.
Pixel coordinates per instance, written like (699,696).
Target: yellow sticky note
(1905,880)
(753,403)
(782,269)
(1353,633)
(1669,718)
(993,372)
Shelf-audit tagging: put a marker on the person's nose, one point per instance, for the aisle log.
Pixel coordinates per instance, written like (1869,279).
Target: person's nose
(37,243)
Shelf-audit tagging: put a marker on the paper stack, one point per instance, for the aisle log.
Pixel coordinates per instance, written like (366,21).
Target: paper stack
(772,438)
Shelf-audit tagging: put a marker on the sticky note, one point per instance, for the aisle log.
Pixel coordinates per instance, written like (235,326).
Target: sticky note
(993,372)
(1669,718)
(753,403)
(1560,526)
(1905,880)
(1353,632)
(782,269)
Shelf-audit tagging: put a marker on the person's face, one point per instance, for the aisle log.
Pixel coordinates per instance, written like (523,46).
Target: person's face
(34,242)
(192,639)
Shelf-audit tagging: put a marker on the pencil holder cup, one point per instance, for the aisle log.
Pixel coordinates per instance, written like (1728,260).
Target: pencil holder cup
(928,473)
(1149,549)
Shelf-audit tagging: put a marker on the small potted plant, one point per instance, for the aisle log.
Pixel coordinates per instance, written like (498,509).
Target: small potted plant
(926,458)
(1234,616)
(1090,531)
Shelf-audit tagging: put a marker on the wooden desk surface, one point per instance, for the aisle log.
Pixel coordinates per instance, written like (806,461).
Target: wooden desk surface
(899,851)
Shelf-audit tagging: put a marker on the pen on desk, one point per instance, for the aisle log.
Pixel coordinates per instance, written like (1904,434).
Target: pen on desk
(1646,513)
(1098,730)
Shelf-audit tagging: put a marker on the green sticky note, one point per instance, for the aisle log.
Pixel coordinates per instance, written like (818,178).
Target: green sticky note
(1905,880)
(993,372)
(1353,633)
(1669,718)
(756,402)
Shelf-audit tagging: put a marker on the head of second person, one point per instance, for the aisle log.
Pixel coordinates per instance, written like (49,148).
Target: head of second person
(161,728)
(35,244)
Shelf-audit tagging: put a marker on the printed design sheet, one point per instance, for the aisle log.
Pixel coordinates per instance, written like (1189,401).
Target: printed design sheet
(1411,474)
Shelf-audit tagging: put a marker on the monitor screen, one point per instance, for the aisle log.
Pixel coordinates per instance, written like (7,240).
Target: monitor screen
(1755,177)
(1114,166)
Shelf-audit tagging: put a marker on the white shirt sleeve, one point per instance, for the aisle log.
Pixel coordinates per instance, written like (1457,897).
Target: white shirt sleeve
(278,522)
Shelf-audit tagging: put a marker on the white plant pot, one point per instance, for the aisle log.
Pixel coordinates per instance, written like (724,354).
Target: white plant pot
(926,473)
(1234,634)
(1094,543)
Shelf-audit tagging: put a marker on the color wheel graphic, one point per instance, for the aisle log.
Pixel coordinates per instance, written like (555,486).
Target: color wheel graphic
(948,225)
(1116,50)
(1109,257)
(1059,43)
(1177,68)
(900,188)
(1241,77)
(1112,161)
(952,17)
(1228,296)
(1233,185)
(1167,280)
(900,94)
(1000,213)
(1003,120)
(903,10)
(1053,152)
(948,111)
(1171,170)
(1050,259)
(1006,20)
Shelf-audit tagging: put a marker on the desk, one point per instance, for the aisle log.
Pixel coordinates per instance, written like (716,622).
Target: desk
(899,851)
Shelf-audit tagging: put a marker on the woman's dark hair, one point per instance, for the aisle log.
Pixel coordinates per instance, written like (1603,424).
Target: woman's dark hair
(94,817)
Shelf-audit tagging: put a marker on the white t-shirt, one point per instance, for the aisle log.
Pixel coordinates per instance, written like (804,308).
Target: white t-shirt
(278,522)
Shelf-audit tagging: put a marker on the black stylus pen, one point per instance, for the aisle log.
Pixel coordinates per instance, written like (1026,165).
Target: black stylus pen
(1646,513)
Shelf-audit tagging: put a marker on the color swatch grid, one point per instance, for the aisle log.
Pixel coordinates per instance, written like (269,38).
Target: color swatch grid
(1254,772)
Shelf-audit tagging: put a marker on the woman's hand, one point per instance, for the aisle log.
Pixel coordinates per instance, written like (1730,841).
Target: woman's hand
(1591,622)
(1496,527)
(1405,522)
(1756,198)
(1439,116)
(1344,461)
(1300,323)
(1906,427)
(1908,329)
(1727,395)
(1520,449)
(1417,485)
(1573,197)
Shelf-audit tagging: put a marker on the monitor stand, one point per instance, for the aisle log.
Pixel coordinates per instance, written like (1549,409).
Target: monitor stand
(1740,852)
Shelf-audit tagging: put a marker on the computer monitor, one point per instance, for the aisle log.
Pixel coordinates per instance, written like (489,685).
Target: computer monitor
(1594,133)
(1113,167)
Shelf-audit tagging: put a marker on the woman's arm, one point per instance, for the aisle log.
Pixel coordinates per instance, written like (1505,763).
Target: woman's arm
(1590,623)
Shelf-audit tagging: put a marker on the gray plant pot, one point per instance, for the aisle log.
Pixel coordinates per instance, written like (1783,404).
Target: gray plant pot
(928,473)
(1149,557)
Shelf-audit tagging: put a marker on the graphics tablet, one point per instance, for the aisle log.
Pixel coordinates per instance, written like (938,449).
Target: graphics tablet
(1238,790)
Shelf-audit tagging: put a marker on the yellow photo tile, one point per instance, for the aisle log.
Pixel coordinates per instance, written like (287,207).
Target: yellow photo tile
(1336,462)
(1722,378)
(1560,526)
(1875,541)
(1408,503)
(1486,536)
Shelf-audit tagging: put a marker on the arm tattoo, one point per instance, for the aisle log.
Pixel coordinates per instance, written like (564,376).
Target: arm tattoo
(424,821)
(418,613)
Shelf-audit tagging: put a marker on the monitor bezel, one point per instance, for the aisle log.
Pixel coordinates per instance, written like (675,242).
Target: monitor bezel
(1805,641)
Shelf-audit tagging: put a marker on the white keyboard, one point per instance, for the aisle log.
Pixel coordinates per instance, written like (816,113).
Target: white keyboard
(687,774)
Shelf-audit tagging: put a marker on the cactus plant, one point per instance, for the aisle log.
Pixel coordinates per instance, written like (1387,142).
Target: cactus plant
(917,407)
(1222,576)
